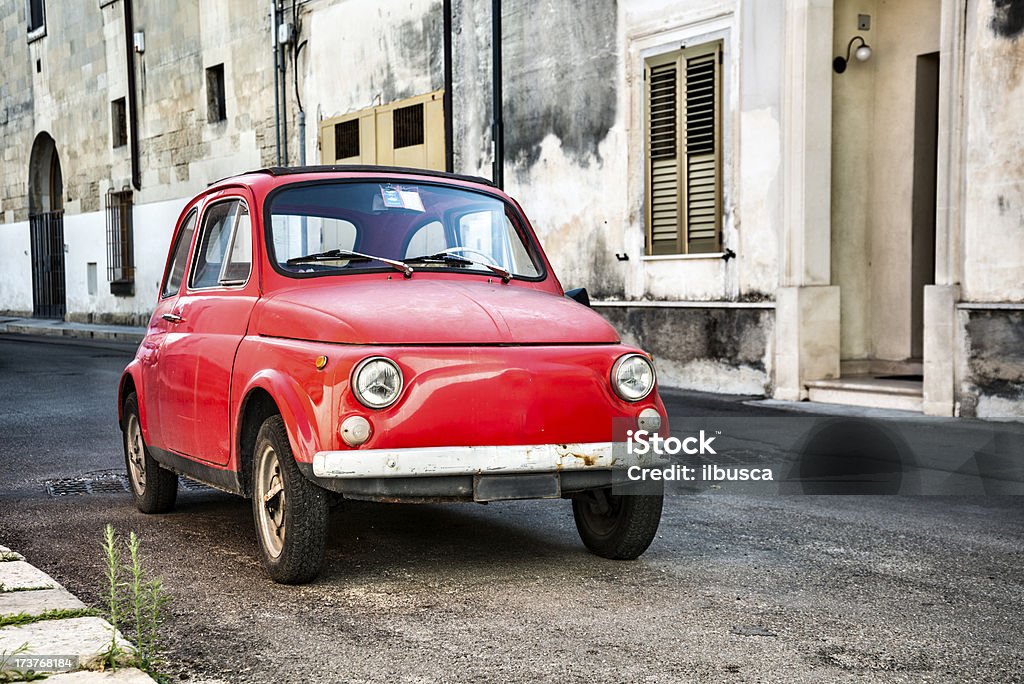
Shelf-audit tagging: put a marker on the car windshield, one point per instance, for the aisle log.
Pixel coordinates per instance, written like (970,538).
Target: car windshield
(345,227)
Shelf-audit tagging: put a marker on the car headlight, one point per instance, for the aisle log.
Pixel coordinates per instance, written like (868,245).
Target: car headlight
(633,377)
(377,382)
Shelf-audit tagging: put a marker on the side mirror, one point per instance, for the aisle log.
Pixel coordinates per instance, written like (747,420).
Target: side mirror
(580,295)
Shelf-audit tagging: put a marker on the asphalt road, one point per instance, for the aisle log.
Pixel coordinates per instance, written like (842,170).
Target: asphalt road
(735,589)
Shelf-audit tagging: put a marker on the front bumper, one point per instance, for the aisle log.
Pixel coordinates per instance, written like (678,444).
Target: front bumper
(475,460)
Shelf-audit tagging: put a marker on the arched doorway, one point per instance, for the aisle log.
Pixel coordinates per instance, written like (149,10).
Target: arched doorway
(46,223)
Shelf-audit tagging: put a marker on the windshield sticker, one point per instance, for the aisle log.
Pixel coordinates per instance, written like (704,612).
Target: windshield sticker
(401,197)
(392,198)
(411,198)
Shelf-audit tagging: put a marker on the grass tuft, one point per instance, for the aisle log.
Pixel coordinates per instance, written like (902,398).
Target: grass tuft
(136,604)
(56,614)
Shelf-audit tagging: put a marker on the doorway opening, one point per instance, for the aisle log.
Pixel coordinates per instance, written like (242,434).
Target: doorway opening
(926,135)
(46,224)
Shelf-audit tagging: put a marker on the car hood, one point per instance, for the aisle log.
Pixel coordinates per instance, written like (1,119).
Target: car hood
(427,311)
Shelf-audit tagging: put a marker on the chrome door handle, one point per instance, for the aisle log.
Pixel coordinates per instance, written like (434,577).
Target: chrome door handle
(173,318)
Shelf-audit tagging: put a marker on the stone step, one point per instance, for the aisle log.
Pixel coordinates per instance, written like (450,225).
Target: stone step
(901,395)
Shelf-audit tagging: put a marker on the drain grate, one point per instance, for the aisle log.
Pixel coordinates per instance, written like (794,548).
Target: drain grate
(106,483)
(110,483)
(192,485)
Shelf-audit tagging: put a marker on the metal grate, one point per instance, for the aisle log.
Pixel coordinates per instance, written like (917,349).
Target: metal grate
(408,126)
(120,240)
(106,483)
(346,139)
(47,239)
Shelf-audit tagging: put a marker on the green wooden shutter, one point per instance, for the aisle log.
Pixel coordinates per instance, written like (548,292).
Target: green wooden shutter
(684,188)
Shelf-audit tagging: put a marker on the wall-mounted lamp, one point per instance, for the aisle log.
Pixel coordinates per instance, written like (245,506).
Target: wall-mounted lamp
(863,54)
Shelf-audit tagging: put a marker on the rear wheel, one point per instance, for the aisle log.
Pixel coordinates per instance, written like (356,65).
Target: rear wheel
(154,489)
(617,526)
(290,512)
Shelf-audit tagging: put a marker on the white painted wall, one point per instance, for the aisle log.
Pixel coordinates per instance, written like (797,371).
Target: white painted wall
(85,236)
(15,268)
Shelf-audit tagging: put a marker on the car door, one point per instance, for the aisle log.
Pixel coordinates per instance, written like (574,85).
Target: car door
(213,316)
(165,400)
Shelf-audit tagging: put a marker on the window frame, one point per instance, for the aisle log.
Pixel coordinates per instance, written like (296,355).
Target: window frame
(519,223)
(216,102)
(35,32)
(120,213)
(680,54)
(118,122)
(228,248)
(175,243)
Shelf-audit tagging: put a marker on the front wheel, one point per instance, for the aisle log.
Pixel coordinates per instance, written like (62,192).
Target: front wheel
(290,512)
(617,526)
(154,489)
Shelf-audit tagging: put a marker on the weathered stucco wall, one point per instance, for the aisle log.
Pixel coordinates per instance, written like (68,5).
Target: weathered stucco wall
(993,243)
(707,349)
(992,370)
(573,107)
(391,50)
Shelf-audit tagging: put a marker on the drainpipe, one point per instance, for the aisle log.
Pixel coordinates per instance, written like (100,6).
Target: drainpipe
(449,143)
(277,90)
(133,113)
(301,116)
(497,125)
(283,62)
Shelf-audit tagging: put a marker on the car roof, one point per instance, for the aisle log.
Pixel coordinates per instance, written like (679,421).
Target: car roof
(274,172)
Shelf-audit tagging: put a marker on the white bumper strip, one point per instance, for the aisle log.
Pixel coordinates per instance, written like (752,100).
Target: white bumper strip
(366,463)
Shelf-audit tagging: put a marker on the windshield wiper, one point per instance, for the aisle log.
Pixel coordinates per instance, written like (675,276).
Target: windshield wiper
(337,254)
(452,258)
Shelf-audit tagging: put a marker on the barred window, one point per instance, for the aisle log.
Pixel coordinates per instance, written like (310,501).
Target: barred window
(683,104)
(120,243)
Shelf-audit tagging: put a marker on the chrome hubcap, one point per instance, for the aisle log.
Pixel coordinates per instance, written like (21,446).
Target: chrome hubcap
(136,455)
(270,501)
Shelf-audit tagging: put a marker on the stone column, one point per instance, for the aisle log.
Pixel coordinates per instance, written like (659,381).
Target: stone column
(807,305)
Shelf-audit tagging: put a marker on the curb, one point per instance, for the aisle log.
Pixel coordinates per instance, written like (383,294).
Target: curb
(80,640)
(77,331)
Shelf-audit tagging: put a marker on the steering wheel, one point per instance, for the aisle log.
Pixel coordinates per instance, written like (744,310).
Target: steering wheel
(487,257)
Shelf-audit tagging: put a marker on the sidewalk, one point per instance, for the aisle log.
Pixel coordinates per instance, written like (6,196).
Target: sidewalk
(54,625)
(87,331)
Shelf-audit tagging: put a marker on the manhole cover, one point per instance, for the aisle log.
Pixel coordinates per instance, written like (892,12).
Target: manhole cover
(96,484)
(107,483)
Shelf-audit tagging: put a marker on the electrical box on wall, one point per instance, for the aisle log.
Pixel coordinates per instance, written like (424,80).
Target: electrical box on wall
(285,33)
(863,22)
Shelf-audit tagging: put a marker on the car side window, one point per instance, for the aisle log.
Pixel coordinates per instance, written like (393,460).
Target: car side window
(224,251)
(299,235)
(176,270)
(492,233)
(428,239)
(239,264)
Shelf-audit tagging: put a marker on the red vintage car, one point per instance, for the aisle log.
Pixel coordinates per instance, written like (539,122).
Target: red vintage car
(381,334)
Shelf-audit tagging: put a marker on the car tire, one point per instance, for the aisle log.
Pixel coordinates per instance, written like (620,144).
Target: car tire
(617,526)
(154,488)
(290,512)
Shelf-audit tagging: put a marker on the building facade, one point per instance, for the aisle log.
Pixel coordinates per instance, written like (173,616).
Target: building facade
(764,217)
